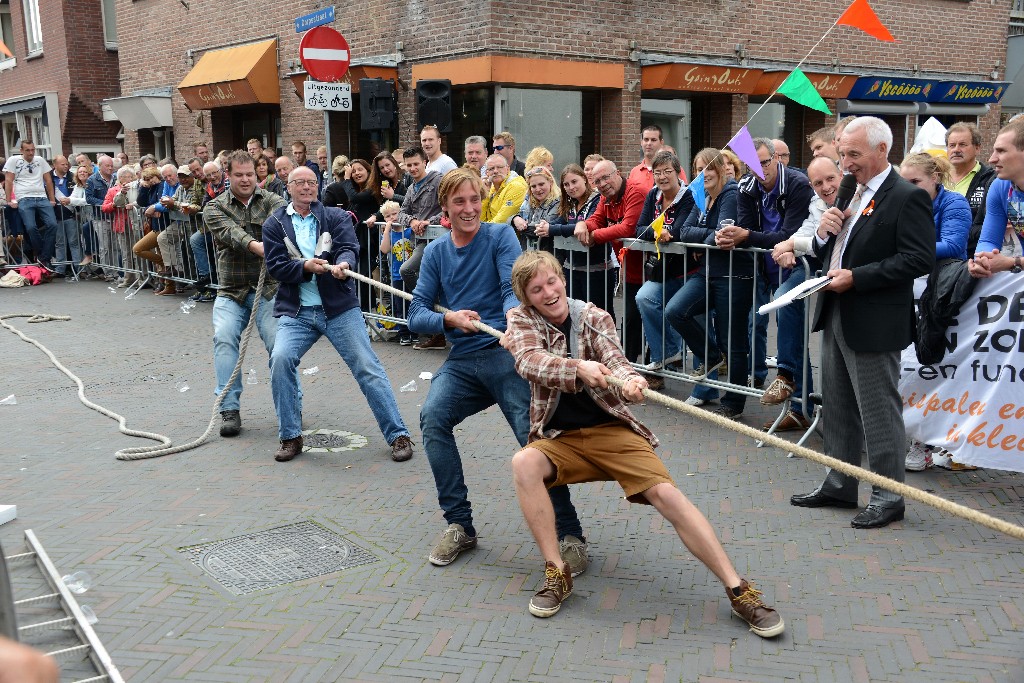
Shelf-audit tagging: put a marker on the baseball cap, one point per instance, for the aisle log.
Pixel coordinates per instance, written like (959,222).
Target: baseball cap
(184,170)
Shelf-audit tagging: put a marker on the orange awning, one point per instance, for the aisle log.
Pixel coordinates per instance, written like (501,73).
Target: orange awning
(524,71)
(246,74)
(836,86)
(700,78)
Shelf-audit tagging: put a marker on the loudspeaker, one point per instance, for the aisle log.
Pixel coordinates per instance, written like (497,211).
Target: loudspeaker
(434,104)
(376,104)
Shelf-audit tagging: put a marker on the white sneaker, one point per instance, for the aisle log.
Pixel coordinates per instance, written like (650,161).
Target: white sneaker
(771,362)
(654,367)
(694,401)
(941,458)
(919,457)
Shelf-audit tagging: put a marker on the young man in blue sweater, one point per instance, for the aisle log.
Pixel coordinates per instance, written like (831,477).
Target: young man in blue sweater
(469,271)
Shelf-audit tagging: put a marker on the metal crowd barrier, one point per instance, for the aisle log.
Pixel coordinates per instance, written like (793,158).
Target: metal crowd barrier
(596,275)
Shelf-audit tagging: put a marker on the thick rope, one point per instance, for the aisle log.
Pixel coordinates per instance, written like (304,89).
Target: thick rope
(165,447)
(864,475)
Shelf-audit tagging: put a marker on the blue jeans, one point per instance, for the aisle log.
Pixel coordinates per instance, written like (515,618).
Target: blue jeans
(683,312)
(33,211)
(198,241)
(347,333)
(757,329)
(664,342)
(464,386)
(69,238)
(229,320)
(791,336)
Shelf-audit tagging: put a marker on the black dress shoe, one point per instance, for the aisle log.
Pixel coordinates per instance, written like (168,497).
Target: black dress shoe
(817,499)
(875,516)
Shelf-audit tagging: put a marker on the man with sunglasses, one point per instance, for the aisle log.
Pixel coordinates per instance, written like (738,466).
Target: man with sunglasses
(30,178)
(505,145)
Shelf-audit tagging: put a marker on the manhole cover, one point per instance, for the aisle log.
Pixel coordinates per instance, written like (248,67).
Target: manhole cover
(331,441)
(266,559)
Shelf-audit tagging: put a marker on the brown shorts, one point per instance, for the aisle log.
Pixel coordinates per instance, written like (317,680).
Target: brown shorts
(609,452)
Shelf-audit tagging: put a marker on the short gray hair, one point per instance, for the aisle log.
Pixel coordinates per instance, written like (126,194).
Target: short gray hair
(876,129)
(476,140)
(766,143)
(125,171)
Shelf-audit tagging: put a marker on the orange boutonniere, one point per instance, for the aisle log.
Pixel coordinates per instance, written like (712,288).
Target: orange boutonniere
(869,210)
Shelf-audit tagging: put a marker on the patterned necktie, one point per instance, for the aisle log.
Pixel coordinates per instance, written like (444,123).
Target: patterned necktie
(840,245)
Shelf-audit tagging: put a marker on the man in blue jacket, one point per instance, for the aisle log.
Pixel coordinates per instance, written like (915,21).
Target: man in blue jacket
(774,208)
(314,299)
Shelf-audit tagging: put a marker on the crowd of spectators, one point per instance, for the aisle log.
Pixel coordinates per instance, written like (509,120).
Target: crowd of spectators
(140,225)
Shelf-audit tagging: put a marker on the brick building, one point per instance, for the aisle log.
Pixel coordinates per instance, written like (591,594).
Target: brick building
(575,77)
(62,63)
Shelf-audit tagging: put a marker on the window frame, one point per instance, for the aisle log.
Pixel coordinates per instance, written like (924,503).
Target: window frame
(109,42)
(33,28)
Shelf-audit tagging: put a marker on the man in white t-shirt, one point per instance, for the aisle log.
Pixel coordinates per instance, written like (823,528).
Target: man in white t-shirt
(30,178)
(430,140)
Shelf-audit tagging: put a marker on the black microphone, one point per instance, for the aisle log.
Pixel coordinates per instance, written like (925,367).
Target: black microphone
(844,195)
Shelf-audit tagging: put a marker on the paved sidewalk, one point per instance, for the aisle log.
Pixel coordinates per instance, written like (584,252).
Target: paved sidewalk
(928,599)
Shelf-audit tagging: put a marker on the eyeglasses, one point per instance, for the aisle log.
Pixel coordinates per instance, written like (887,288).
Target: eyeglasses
(767,162)
(537,170)
(498,148)
(301,182)
(783,155)
(664,174)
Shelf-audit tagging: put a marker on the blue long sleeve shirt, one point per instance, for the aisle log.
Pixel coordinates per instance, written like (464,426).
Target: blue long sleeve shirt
(952,224)
(476,277)
(1003,204)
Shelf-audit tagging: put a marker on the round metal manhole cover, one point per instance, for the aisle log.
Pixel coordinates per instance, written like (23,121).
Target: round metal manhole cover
(331,441)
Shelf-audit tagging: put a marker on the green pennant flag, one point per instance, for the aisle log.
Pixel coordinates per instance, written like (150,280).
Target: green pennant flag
(799,88)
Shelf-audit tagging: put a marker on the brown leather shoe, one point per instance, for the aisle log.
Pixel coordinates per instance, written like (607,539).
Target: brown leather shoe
(289,449)
(778,391)
(793,422)
(748,606)
(557,587)
(401,449)
(436,341)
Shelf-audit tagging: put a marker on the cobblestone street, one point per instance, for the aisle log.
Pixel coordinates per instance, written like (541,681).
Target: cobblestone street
(931,598)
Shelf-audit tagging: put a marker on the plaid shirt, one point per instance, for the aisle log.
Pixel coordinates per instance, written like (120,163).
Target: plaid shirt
(234,225)
(539,349)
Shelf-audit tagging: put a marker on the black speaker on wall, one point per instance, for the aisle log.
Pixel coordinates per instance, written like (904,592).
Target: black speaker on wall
(376,104)
(434,104)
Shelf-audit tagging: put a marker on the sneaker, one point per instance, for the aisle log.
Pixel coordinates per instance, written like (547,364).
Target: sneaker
(655,382)
(748,606)
(726,412)
(405,340)
(698,402)
(793,422)
(919,457)
(453,541)
(771,362)
(436,341)
(941,458)
(231,423)
(205,296)
(557,587)
(778,391)
(401,449)
(701,373)
(658,365)
(573,552)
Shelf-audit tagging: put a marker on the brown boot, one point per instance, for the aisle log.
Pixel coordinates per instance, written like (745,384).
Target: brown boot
(748,606)
(557,587)
(289,449)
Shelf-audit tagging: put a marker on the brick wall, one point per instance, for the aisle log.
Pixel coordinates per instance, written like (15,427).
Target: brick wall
(776,30)
(81,78)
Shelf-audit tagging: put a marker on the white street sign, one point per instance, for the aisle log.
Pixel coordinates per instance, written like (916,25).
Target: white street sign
(323,96)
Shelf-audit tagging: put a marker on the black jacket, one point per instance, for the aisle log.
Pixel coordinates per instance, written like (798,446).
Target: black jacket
(977,193)
(950,285)
(669,266)
(792,203)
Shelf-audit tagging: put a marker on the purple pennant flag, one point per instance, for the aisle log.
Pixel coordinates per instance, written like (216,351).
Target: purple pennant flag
(743,145)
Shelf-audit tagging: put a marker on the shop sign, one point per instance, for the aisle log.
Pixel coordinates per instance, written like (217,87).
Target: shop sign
(887,89)
(969,92)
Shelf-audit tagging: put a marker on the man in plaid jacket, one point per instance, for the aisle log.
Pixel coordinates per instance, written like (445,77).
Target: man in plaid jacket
(582,430)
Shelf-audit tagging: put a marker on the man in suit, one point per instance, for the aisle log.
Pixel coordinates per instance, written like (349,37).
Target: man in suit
(874,250)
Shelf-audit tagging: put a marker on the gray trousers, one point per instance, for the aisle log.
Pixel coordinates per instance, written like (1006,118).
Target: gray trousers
(862,410)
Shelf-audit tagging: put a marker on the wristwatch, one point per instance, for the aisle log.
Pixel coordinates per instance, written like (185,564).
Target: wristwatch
(1016,265)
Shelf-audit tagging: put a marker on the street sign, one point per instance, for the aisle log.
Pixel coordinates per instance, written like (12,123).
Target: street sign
(317,18)
(327,96)
(324,54)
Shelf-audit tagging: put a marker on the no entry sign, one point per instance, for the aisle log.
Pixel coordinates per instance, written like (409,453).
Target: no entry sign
(324,54)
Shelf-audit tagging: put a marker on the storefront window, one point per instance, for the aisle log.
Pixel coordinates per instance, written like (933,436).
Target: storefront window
(549,118)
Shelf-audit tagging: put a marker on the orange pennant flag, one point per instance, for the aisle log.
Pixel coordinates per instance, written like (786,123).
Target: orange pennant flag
(4,50)
(860,15)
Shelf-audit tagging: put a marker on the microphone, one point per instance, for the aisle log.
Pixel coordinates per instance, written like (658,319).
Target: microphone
(844,195)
